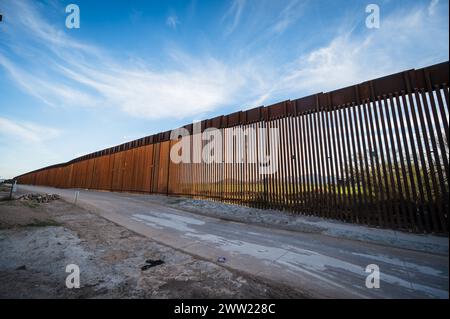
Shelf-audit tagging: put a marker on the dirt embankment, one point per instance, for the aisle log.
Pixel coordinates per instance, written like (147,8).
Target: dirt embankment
(38,240)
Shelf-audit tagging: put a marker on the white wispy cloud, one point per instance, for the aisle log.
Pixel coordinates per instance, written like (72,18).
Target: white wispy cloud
(288,15)
(59,75)
(349,58)
(233,15)
(48,90)
(432,7)
(26,131)
(62,71)
(172,21)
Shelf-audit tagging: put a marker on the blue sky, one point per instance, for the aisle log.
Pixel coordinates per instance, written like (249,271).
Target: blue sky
(135,68)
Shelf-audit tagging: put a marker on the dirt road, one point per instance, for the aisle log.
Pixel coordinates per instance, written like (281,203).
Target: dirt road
(313,263)
(38,241)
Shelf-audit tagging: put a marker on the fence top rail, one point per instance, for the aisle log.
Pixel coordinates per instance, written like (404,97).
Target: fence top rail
(403,82)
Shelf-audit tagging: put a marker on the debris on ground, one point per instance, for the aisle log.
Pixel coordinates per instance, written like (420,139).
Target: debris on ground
(221,259)
(149,263)
(40,198)
(107,255)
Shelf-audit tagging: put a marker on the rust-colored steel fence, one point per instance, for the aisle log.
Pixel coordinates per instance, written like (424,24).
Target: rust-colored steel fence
(376,153)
